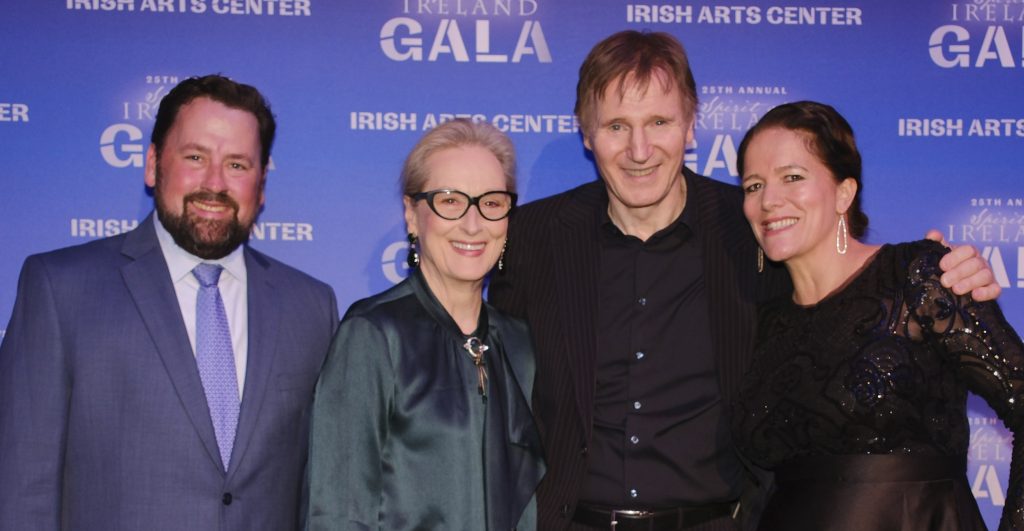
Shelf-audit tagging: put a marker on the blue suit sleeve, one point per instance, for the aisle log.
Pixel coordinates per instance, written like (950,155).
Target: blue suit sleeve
(34,397)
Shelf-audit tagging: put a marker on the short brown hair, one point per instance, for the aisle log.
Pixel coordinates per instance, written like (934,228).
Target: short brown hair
(222,90)
(452,134)
(638,57)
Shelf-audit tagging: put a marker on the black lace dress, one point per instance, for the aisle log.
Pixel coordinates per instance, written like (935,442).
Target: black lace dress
(858,402)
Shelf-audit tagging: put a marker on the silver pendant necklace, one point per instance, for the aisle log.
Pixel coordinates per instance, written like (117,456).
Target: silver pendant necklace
(476,349)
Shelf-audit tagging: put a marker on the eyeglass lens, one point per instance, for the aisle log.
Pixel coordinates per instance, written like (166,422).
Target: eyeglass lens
(452,204)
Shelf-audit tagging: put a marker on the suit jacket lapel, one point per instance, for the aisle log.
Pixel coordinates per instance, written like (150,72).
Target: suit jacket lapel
(725,237)
(264,318)
(577,274)
(149,282)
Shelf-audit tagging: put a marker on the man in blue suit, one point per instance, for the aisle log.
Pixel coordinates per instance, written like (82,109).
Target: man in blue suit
(160,379)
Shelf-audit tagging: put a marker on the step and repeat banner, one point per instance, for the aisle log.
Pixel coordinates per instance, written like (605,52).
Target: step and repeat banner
(934,89)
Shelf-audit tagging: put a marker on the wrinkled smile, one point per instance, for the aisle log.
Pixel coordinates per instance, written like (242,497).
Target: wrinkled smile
(639,172)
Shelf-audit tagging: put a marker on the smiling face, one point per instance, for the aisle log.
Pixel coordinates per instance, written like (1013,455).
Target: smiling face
(792,200)
(458,253)
(638,142)
(207,180)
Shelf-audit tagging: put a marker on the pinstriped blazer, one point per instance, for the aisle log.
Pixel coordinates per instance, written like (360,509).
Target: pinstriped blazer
(552,282)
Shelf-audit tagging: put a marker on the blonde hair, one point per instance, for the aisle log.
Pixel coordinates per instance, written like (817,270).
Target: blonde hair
(457,133)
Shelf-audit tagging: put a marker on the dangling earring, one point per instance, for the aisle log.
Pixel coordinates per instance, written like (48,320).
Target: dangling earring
(413,258)
(760,259)
(501,257)
(841,235)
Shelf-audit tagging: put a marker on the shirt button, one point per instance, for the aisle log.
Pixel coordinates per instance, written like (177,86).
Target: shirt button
(640,355)
(637,405)
(634,439)
(642,301)
(632,493)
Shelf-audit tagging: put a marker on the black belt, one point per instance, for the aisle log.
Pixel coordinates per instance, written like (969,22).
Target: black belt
(650,520)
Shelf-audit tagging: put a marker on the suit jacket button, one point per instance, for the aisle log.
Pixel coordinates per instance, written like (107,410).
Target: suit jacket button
(565,510)
(584,450)
(226,500)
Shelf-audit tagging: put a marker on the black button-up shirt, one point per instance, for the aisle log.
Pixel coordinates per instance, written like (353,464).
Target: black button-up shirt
(660,438)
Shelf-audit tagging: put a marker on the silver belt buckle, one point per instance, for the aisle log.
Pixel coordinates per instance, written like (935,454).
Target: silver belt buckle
(637,514)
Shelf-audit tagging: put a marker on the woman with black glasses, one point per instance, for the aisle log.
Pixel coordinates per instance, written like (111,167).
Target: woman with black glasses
(422,414)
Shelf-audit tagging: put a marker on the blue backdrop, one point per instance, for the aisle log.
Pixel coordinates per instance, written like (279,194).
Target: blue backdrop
(933,89)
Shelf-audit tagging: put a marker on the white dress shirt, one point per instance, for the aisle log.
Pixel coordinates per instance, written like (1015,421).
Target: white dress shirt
(233,292)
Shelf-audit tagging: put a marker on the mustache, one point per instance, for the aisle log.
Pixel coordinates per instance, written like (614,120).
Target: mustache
(207,196)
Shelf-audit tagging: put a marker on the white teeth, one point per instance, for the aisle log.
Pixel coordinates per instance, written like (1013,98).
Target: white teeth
(639,172)
(780,224)
(208,208)
(468,246)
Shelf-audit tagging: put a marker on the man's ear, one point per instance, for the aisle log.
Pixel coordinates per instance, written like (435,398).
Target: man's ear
(263,186)
(151,161)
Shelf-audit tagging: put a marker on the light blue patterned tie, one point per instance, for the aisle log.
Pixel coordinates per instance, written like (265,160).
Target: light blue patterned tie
(216,359)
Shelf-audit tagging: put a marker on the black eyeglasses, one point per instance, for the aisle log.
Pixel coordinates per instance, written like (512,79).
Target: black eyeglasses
(453,204)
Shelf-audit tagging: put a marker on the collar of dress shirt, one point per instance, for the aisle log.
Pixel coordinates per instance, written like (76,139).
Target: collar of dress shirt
(180,262)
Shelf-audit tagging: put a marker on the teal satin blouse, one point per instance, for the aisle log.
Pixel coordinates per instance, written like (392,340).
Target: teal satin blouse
(401,437)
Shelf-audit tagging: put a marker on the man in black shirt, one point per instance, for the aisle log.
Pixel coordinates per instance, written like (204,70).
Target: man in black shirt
(640,290)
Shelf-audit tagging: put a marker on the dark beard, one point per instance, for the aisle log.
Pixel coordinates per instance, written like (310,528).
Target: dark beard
(207,239)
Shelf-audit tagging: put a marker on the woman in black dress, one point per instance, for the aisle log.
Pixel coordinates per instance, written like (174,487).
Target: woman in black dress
(857,397)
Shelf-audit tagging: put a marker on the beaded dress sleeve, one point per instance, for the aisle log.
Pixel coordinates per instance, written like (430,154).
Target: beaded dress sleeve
(987,351)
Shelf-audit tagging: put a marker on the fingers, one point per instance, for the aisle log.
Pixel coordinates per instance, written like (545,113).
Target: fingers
(936,236)
(962,255)
(971,275)
(986,293)
(965,271)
